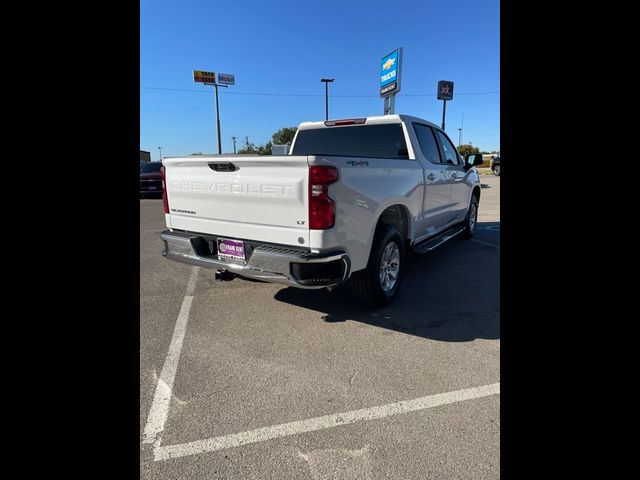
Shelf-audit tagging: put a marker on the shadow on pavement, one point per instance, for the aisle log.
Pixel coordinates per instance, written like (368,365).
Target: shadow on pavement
(451,294)
(488,228)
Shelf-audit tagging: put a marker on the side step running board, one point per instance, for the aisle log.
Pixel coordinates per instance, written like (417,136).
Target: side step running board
(430,244)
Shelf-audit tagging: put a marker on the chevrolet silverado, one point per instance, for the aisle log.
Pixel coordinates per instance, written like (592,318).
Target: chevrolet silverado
(347,204)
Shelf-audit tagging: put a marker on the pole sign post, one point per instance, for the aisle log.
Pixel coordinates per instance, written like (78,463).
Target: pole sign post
(223,80)
(445,92)
(390,74)
(204,77)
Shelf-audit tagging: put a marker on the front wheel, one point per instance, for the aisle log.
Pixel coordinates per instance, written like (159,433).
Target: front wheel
(471,220)
(378,284)
(496,170)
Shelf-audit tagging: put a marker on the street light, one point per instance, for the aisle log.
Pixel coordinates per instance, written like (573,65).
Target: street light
(160,150)
(326,95)
(459,137)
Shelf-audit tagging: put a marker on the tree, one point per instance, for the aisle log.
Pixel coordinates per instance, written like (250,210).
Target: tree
(265,149)
(249,148)
(253,149)
(467,148)
(284,136)
(196,153)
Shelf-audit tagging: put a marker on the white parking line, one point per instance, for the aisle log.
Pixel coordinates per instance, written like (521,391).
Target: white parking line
(485,243)
(191,284)
(320,423)
(162,397)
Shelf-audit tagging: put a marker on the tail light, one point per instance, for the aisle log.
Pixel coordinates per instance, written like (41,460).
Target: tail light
(165,198)
(322,210)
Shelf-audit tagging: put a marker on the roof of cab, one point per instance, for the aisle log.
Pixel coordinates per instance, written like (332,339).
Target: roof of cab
(375,120)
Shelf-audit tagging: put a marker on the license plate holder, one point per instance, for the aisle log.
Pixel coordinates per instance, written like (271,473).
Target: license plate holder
(228,248)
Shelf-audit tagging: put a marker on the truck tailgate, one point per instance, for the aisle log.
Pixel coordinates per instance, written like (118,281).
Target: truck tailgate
(263,198)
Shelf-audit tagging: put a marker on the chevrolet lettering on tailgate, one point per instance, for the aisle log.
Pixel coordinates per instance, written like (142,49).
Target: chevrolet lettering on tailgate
(232,188)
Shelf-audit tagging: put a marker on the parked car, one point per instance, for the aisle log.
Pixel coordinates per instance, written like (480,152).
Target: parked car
(150,178)
(347,204)
(495,165)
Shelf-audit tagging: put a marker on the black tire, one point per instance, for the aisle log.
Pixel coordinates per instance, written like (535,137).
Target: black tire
(496,170)
(469,227)
(365,284)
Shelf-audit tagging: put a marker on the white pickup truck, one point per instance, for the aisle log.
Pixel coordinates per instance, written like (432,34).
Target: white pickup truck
(348,203)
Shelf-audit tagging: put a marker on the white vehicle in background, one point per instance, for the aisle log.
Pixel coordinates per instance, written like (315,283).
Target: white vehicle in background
(279,149)
(348,203)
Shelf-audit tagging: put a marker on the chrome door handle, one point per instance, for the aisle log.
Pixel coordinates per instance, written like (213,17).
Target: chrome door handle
(431,177)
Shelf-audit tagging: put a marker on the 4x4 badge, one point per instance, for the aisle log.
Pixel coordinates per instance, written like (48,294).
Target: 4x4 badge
(358,163)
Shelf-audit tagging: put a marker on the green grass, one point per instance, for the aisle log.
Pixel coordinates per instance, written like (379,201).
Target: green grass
(485,171)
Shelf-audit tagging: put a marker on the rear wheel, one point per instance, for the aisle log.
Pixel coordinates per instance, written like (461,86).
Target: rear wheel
(471,220)
(378,284)
(496,170)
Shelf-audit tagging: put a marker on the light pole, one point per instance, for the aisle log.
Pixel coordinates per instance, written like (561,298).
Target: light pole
(160,150)
(459,137)
(326,82)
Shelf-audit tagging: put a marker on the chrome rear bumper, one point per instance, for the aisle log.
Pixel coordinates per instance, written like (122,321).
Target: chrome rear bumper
(268,263)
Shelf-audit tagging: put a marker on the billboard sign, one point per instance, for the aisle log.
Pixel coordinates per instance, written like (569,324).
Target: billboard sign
(445,90)
(390,69)
(204,77)
(226,79)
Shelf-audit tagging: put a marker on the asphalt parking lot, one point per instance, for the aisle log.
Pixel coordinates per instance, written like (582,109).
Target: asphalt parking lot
(260,381)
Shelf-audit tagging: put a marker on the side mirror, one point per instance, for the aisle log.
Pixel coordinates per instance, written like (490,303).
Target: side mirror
(473,159)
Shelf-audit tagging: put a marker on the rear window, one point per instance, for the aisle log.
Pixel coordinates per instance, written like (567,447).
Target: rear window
(150,167)
(377,141)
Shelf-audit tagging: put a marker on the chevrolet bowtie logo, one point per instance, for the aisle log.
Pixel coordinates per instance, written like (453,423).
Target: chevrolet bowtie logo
(388,64)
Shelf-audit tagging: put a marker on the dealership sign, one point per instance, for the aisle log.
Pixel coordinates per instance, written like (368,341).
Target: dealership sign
(390,68)
(445,90)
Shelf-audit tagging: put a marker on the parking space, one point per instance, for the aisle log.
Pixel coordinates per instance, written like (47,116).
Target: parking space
(251,380)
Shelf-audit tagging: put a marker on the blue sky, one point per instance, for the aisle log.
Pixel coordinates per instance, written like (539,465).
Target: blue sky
(286,46)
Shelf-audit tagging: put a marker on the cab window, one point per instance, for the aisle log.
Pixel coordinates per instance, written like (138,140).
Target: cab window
(427,142)
(449,153)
